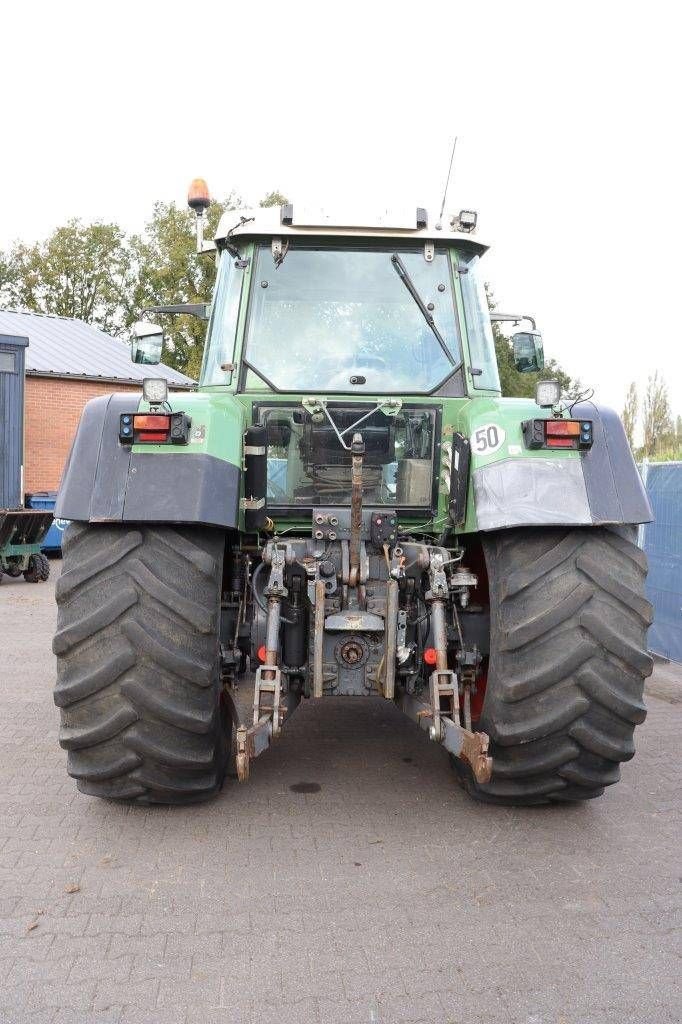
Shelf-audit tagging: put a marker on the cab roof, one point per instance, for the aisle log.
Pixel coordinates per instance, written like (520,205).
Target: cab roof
(296,220)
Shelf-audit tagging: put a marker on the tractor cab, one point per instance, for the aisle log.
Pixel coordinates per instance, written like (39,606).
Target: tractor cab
(316,322)
(337,310)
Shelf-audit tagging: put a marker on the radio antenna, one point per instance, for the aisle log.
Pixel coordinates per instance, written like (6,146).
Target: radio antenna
(447,184)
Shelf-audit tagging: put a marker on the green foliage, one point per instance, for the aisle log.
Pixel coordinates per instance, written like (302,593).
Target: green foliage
(630,412)
(274,199)
(662,437)
(6,279)
(81,270)
(169,270)
(522,385)
(93,272)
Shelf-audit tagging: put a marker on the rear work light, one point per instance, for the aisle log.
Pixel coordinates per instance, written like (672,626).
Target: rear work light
(567,434)
(154,428)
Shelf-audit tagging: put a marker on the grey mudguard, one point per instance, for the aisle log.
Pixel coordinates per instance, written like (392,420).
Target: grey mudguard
(106,482)
(614,486)
(601,487)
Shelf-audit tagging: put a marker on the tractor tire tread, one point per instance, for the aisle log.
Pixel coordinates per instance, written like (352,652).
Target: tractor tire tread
(138,683)
(568,661)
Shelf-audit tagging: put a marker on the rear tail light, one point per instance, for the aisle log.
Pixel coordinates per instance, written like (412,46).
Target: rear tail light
(560,442)
(551,433)
(151,428)
(153,436)
(151,421)
(154,428)
(562,428)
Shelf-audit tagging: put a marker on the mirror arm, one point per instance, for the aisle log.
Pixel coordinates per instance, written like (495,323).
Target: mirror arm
(513,318)
(198,309)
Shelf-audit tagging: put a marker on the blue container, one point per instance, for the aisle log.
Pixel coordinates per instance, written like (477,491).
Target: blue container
(53,538)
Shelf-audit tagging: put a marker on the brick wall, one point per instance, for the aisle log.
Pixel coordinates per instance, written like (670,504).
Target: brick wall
(53,409)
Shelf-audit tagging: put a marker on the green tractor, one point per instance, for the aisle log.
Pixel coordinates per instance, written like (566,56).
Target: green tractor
(347,506)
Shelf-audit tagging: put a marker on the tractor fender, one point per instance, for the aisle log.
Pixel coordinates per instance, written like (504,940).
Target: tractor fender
(599,487)
(105,481)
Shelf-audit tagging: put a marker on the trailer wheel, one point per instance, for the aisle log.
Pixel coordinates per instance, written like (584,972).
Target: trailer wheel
(138,679)
(38,568)
(568,659)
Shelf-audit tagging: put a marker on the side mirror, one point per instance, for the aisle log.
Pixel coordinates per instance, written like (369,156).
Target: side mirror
(529,355)
(146,342)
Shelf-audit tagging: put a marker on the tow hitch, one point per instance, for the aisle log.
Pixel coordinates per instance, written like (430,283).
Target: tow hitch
(444,729)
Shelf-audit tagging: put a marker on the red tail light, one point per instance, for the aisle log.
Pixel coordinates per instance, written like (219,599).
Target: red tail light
(153,436)
(562,428)
(151,421)
(560,442)
(558,433)
(154,428)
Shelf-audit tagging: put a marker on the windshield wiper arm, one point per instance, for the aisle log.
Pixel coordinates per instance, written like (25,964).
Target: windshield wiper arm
(401,271)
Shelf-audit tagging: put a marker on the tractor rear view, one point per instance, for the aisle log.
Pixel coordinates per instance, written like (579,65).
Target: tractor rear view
(346,506)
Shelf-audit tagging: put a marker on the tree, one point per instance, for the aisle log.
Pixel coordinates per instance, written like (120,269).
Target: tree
(658,425)
(80,270)
(274,199)
(630,411)
(522,385)
(170,271)
(6,279)
(93,272)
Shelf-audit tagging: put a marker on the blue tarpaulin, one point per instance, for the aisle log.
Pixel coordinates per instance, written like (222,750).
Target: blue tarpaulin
(662,542)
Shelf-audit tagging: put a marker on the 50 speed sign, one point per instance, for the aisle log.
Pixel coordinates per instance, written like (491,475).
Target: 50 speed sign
(487,439)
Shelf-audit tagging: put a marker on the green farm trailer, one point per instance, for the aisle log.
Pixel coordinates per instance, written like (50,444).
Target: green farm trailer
(21,530)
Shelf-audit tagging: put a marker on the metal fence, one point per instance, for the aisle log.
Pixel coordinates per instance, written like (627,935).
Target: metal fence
(662,542)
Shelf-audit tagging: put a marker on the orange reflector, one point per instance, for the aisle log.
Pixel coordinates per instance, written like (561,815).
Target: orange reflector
(560,442)
(151,421)
(262,653)
(562,428)
(153,436)
(430,655)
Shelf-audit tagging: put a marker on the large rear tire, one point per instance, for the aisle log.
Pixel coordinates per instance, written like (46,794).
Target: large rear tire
(568,659)
(137,645)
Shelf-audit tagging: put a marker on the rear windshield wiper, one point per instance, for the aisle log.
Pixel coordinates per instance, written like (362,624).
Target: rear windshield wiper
(401,271)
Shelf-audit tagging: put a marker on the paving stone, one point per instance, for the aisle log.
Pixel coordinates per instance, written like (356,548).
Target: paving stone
(387,897)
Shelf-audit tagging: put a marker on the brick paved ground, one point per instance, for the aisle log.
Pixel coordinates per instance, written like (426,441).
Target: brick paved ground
(387,896)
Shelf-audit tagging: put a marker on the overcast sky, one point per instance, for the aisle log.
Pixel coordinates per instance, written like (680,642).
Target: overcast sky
(568,117)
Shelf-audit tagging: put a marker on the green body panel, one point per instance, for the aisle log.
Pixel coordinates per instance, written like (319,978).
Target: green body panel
(19,550)
(220,414)
(17,555)
(218,423)
(219,418)
(507,414)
